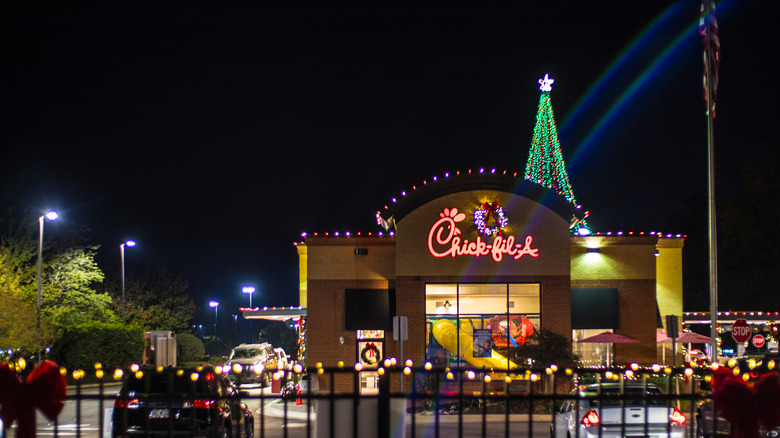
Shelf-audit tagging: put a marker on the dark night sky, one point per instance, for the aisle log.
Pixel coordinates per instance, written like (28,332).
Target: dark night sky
(215,133)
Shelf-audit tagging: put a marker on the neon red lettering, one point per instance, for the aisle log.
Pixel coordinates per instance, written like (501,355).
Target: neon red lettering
(444,240)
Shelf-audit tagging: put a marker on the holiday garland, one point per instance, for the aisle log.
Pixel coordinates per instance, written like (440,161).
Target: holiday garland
(483,214)
(370,353)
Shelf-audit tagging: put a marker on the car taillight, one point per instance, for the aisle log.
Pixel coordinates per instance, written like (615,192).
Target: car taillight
(126,403)
(590,419)
(199,404)
(677,418)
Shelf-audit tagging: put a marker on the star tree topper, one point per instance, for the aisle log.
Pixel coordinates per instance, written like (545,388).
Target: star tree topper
(546,83)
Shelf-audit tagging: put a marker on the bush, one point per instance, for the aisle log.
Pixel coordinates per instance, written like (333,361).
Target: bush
(113,345)
(190,348)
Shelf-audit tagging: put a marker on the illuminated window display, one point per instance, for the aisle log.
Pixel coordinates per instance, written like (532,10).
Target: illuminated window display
(492,318)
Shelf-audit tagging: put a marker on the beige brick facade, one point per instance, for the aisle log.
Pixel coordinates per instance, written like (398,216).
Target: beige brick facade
(407,262)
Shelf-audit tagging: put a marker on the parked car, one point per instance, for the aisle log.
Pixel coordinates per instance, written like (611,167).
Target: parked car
(256,364)
(612,410)
(177,401)
(710,425)
(752,367)
(282,360)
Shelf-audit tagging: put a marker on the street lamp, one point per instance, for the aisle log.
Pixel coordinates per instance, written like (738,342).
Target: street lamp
(129,244)
(249,290)
(214,305)
(50,215)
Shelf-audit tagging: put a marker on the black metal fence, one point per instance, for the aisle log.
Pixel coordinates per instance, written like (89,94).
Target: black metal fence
(431,402)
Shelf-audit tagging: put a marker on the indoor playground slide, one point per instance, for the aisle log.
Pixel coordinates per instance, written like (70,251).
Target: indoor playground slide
(446,334)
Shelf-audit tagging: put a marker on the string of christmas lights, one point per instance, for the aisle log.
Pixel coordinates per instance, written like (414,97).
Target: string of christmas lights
(545,165)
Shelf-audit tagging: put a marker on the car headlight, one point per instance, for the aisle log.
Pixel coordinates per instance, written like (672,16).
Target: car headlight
(237,368)
(258,368)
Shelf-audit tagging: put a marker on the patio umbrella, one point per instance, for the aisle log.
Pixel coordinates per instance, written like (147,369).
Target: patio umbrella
(693,338)
(684,338)
(609,338)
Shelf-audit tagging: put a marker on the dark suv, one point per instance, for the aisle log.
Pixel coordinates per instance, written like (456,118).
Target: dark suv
(195,402)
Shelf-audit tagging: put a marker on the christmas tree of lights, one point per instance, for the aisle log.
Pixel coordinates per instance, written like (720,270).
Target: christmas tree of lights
(545,164)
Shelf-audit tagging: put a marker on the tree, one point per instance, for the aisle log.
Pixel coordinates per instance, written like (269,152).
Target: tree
(545,165)
(70,297)
(155,299)
(545,348)
(69,275)
(279,334)
(17,317)
(747,244)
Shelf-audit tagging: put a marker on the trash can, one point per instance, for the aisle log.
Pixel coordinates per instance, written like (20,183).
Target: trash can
(276,386)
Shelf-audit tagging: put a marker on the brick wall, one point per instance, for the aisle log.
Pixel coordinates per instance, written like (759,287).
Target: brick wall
(325,326)
(637,312)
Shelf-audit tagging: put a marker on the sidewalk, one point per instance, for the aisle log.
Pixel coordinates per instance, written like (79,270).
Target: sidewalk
(276,408)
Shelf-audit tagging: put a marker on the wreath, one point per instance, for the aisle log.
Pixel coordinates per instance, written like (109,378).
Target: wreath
(370,353)
(483,214)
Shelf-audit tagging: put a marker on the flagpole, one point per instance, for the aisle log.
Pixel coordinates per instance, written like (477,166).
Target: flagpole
(713,240)
(713,233)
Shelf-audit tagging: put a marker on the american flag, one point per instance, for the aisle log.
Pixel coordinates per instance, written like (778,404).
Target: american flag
(708,28)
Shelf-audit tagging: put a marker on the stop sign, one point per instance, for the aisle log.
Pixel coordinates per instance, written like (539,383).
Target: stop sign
(740,331)
(758,341)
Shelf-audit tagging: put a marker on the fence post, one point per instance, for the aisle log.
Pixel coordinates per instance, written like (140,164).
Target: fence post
(383,407)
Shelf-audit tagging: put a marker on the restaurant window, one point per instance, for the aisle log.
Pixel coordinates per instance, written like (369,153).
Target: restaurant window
(477,325)
(591,354)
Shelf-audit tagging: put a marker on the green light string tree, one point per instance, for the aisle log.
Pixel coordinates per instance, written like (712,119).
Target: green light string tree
(545,164)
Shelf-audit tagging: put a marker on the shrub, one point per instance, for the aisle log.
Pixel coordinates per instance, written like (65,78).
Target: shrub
(190,348)
(113,345)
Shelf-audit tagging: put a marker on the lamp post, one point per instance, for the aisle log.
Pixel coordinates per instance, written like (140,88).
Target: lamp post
(50,215)
(129,244)
(249,290)
(214,305)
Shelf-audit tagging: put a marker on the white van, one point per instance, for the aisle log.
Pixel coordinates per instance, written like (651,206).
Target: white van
(282,360)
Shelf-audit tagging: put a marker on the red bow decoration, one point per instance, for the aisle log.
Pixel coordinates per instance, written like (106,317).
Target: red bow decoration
(491,211)
(371,349)
(44,389)
(745,405)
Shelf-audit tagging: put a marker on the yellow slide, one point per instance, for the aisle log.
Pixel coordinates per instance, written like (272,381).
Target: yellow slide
(446,334)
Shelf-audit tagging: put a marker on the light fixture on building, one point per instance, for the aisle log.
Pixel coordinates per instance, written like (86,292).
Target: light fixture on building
(596,250)
(449,307)
(656,253)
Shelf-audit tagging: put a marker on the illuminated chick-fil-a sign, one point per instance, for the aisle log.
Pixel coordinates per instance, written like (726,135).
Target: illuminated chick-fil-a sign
(444,239)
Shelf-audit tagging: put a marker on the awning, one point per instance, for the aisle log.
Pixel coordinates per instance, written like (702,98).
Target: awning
(274,313)
(369,309)
(594,308)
